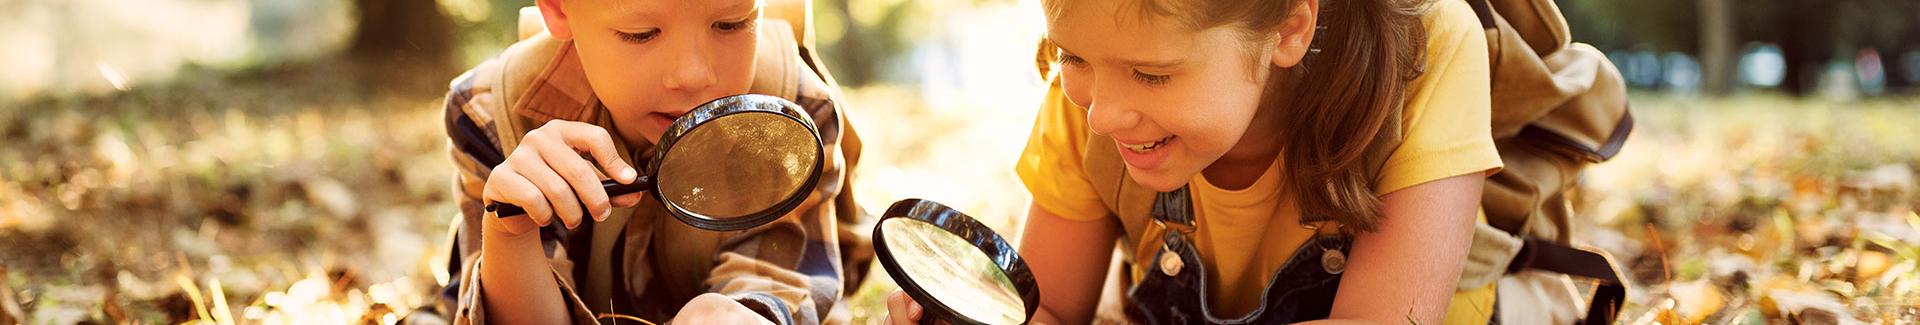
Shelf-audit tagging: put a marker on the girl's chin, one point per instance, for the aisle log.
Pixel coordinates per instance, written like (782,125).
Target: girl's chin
(1157,180)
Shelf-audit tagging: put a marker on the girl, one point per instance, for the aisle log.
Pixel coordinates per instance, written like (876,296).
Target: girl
(1264,161)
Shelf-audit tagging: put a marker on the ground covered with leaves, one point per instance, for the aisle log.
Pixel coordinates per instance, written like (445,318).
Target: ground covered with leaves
(1761,209)
(296,194)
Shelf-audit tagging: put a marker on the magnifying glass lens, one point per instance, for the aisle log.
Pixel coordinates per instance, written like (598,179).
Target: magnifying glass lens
(738,165)
(953,271)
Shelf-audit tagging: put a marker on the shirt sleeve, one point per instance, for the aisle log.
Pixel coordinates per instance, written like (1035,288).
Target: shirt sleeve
(474,152)
(1448,116)
(1051,165)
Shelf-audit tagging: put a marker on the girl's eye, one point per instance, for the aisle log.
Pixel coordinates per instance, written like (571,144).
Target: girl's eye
(729,26)
(1151,79)
(1073,60)
(637,38)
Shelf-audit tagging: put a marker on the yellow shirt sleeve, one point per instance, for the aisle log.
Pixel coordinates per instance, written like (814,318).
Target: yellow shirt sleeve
(1447,121)
(1050,166)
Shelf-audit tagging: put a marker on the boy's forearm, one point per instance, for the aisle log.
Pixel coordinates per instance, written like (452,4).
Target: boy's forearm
(518,285)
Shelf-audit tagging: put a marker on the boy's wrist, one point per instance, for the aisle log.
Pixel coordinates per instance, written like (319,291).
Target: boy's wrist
(493,231)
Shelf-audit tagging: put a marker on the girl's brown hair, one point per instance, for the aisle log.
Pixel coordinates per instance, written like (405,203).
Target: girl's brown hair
(1369,50)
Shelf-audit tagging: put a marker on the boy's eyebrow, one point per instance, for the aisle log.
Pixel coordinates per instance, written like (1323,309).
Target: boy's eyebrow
(1151,63)
(1145,63)
(751,7)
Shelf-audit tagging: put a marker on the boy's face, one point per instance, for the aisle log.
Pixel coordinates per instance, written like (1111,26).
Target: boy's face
(650,61)
(1173,100)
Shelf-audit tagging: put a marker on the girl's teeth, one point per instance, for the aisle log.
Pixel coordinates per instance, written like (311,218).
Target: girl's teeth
(1147,147)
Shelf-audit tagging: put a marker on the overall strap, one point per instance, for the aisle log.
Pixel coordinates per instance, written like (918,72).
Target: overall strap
(1174,208)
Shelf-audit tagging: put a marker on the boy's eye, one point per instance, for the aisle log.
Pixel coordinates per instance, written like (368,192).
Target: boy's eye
(729,26)
(637,38)
(1151,79)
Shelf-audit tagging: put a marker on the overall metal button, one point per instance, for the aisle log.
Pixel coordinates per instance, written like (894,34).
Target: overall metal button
(1333,261)
(1170,263)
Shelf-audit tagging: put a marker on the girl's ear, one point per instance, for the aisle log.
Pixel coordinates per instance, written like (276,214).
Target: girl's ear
(556,20)
(1294,36)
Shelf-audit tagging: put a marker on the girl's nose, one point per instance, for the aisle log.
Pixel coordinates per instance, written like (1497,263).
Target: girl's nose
(1109,113)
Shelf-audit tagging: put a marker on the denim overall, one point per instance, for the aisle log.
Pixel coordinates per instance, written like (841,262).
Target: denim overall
(1173,290)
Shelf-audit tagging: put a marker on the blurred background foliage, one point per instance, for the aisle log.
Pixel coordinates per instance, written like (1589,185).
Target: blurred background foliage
(1809,35)
(243,161)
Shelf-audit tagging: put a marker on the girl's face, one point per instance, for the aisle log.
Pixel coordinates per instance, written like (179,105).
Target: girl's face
(652,61)
(1173,100)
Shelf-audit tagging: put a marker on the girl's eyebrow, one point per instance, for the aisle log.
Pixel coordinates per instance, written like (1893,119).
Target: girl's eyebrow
(1142,63)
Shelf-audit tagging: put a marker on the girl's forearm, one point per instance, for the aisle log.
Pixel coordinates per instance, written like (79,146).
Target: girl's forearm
(1042,316)
(519,286)
(1340,322)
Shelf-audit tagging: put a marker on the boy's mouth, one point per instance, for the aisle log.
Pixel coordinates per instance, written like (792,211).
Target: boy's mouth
(662,121)
(1148,146)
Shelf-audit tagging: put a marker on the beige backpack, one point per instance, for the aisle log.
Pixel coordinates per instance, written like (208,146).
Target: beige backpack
(1558,107)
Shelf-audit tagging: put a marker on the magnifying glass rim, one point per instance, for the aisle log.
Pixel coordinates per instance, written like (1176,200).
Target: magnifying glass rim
(1003,254)
(725,106)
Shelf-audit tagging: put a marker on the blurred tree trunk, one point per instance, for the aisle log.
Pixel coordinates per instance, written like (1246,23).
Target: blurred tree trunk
(1716,49)
(405,41)
(853,49)
(1807,44)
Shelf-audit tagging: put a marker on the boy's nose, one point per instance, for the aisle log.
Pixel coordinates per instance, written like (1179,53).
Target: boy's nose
(692,72)
(690,76)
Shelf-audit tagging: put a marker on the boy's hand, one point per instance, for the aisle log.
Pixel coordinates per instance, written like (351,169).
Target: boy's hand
(548,176)
(714,308)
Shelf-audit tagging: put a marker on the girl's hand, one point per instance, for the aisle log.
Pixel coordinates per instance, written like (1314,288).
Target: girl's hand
(903,310)
(714,308)
(548,176)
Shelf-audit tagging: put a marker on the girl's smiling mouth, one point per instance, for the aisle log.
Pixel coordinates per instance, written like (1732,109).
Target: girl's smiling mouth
(1145,155)
(1145,147)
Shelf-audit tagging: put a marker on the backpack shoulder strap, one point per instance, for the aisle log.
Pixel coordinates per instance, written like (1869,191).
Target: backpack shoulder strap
(1125,199)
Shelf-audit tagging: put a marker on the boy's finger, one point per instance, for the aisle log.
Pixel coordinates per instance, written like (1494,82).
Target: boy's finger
(595,141)
(514,189)
(581,177)
(628,200)
(559,195)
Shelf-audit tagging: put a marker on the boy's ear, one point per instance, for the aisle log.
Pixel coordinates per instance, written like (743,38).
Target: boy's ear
(1294,36)
(555,19)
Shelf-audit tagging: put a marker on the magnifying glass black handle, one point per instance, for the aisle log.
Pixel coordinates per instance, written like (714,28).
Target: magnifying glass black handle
(613,188)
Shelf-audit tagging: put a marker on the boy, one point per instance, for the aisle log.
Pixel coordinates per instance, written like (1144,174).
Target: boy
(543,123)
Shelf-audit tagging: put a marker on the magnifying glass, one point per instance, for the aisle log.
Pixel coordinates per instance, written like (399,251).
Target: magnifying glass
(959,270)
(733,163)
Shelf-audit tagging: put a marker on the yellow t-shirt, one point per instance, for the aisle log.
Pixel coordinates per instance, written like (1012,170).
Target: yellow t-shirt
(1245,235)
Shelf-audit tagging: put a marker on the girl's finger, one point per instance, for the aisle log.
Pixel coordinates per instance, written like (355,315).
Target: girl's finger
(899,310)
